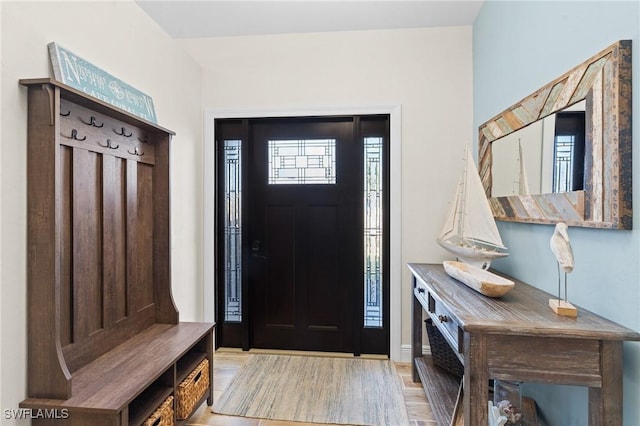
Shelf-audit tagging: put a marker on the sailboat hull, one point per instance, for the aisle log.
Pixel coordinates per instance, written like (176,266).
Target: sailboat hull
(477,256)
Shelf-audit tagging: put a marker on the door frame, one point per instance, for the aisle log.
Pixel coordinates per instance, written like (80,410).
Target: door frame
(395,223)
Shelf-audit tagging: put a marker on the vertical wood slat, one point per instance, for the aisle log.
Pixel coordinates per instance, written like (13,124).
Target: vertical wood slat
(131,194)
(596,150)
(166,311)
(610,145)
(66,246)
(608,410)
(623,82)
(416,332)
(144,230)
(476,392)
(48,375)
(121,284)
(87,246)
(114,234)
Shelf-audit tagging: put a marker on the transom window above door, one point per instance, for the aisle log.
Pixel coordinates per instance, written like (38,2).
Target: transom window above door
(311,161)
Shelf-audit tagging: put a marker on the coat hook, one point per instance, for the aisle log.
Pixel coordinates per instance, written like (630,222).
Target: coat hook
(92,122)
(122,132)
(68,113)
(136,152)
(143,140)
(74,136)
(108,145)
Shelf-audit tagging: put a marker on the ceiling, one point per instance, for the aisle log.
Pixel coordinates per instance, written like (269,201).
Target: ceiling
(218,18)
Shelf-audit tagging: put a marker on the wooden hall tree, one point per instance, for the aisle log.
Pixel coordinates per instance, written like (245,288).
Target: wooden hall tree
(104,339)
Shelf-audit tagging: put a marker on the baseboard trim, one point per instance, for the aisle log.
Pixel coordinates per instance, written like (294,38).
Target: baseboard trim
(406,352)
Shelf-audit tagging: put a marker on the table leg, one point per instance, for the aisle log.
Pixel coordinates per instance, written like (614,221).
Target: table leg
(416,348)
(476,379)
(605,403)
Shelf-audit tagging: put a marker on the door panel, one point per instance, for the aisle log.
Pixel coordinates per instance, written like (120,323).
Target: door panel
(279,287)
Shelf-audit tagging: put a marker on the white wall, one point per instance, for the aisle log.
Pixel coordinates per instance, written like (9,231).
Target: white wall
(519,47)
(426,71)
(120,38)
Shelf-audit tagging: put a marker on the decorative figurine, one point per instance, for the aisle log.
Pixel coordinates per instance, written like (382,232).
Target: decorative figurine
(561,249)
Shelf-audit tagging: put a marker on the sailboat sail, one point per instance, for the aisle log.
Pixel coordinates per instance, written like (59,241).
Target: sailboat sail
(470,230)
(523,181)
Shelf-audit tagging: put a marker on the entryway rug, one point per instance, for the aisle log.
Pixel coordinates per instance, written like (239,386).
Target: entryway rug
(312,389)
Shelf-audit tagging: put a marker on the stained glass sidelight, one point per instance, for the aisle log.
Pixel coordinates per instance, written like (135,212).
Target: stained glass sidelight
(311,161)
(232,231)
(373,232)
(563,163)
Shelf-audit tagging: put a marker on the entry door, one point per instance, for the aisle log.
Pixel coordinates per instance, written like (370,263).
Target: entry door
(305,233)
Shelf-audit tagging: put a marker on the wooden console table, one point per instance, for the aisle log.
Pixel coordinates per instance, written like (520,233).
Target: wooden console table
(515,337)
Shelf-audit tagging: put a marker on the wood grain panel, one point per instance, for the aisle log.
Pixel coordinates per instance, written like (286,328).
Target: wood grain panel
(280,289)
(87,243)
(48,375)
(131,242)
(552,100)
(607,410)
(543,359)
(522,311)
(536,102)
(597,166)
(66,246)
(143,228)
(475,385)
(114,237)
(166,311)
(323,271)
(587,80)
(570,86)
(610,181)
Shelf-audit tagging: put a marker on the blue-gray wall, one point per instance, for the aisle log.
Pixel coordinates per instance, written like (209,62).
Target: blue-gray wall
(519,46)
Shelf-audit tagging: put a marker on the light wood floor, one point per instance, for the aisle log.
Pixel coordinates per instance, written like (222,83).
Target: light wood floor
(226,364)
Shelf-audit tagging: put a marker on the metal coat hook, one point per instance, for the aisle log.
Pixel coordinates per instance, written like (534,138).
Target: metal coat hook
(143,140)
(65,115)
(136,152)
(92,122)
(74,136)
(122,132)
(108,145)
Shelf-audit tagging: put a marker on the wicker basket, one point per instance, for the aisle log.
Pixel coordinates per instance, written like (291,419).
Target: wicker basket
(163,416)
(191,390)
(441,353)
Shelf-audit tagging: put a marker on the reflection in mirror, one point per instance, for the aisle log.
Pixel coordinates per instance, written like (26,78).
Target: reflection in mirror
(546,156)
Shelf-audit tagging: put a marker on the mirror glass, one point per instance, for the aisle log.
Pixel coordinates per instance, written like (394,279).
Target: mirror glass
(544,157)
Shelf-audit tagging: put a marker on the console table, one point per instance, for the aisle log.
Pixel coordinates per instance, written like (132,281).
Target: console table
(515,337)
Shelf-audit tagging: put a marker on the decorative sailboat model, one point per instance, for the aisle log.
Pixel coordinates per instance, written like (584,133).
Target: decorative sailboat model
(470,231)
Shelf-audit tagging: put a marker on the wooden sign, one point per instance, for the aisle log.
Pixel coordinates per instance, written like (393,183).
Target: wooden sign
(74,71)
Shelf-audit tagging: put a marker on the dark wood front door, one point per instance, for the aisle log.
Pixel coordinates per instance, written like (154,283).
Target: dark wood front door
(304,235)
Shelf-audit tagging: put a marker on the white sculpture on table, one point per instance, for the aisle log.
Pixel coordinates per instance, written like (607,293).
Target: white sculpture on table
(495,417)
(561,248)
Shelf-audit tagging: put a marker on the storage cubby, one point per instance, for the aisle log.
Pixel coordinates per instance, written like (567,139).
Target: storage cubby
(105,341)
(151,398)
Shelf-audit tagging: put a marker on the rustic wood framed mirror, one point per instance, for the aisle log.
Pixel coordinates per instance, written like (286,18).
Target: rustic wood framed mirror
(602,198)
